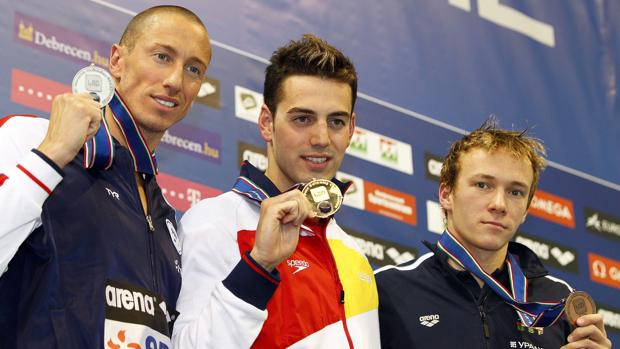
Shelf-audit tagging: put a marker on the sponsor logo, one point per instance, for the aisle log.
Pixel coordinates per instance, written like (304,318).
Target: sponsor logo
(390,203)
(551,253)
(121,342)
(382,252)
(433,166)
(553,208)
(113,194)
(35,91)
(604,270)
(378,199)
(247,104)
(611,317)
(355,195)
(209,93)
(59,41)
(173,235)
(194,141)
(429,320)
(129,300)
(524,345)
(298,264)
(183,194)
(257,156)
(435,218)
(602,223)
(381,150)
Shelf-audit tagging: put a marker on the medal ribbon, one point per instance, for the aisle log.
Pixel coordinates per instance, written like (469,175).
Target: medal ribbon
(246,187)
(532,314)
(99,152)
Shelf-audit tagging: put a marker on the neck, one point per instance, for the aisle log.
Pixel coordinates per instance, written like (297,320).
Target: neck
(152,140)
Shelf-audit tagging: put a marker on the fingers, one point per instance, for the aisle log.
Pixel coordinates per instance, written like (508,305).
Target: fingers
(589,333)
(292,207)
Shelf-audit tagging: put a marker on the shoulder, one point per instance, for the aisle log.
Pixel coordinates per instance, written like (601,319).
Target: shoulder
(391,276)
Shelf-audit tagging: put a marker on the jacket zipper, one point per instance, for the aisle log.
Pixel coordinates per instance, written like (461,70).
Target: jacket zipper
(150,231)
(334,271)
(485,325)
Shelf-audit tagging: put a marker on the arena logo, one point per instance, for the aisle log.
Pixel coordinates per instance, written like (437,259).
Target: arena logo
(248,103)
(611,317)
(381,150)
(382,252)
(181,193)
(257,156)
(209,93)
(551,253)
(194,141)
(604,270)
(35,91)
(602,223)
(129,300)
(59,41)
(433,166)
(553,208)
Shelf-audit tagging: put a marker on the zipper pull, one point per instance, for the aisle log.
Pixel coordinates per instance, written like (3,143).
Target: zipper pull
(150,222)
(485,326)
(341,296)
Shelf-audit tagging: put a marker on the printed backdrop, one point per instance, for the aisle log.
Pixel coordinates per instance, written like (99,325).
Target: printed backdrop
(429,69)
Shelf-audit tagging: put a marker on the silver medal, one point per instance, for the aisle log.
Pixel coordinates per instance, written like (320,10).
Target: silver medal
(94,80)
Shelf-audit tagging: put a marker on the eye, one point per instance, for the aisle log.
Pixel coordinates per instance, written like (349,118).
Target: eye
(162,57)
(194,70)
(482,185)
(517,192)
(302,119)
(337,123)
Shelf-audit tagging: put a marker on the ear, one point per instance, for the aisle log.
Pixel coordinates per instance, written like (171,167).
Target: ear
(117,53)
(352,126)
(265,123)
(445,196)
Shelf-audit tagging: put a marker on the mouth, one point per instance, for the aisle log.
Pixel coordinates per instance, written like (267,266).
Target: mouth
(317,160)
(494,224)
(166,102)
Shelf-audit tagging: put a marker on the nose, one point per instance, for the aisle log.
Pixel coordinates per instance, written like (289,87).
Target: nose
(174,79)
(498,202)
(320,134)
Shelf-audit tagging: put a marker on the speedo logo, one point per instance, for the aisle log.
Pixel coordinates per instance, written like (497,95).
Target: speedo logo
(298,264)
(429,320)
(129,300)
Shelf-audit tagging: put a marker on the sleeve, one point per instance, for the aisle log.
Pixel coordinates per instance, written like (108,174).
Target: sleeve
(27,178)
(224,294)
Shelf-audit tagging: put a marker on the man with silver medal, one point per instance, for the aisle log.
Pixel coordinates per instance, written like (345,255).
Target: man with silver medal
(478,289)
(89,252)
(265,265)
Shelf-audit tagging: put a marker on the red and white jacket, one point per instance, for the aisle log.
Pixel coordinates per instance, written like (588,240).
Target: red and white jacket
(323,296)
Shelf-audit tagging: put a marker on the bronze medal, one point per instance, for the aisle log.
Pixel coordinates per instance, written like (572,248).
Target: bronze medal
(577,304)
(324,196)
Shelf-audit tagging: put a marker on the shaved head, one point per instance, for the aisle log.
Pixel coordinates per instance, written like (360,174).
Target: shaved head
(141,22)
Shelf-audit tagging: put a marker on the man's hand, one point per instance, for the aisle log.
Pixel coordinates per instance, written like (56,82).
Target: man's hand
(277,233)
(589,333)
(74,119)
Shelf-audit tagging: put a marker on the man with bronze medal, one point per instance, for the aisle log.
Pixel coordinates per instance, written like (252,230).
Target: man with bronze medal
(88,246)
(265,265)
(478,289)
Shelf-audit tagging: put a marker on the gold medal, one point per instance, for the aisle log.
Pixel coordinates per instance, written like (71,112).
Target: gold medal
(577,304)
(324,196)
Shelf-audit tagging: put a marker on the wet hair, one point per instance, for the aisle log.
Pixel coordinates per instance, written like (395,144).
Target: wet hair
(139,23)
(309,56)
(490,138)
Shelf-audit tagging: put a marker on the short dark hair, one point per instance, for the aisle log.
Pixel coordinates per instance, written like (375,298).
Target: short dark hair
(309,56)
(135,27)
(490,137)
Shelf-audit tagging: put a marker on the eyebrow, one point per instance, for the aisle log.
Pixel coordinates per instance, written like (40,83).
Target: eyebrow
(310,111)
(489,177)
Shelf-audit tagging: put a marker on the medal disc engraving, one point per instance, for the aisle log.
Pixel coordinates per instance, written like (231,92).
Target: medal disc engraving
(324,196)
(578,304)
(93,79)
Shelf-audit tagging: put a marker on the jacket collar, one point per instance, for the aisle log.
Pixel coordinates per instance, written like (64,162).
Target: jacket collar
(528,261)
